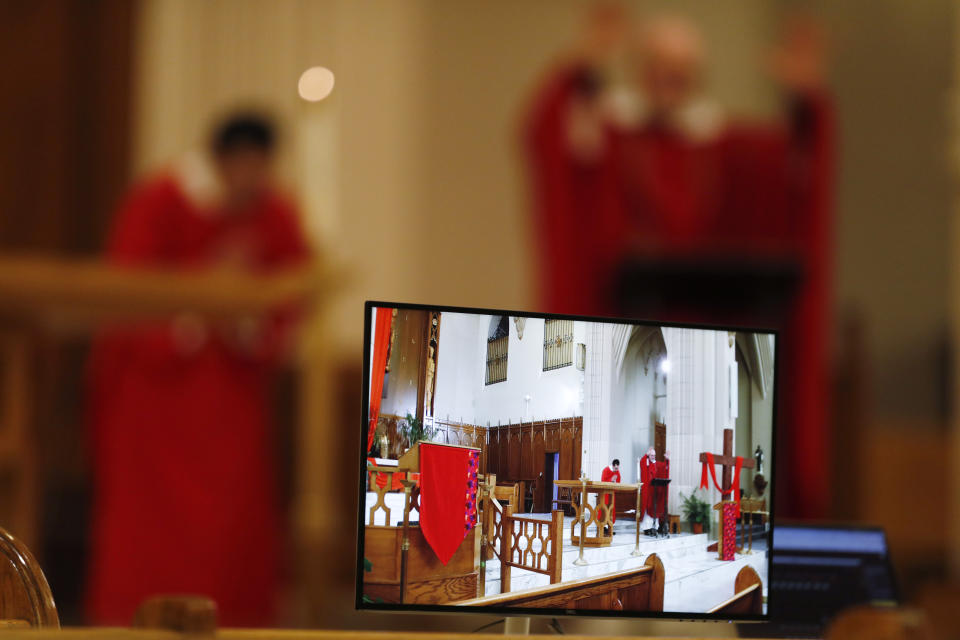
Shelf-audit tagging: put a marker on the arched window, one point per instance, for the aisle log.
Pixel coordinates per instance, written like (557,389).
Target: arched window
(557,344)
(498,341)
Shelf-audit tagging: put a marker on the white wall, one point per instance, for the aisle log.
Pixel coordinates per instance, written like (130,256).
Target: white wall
(462,394)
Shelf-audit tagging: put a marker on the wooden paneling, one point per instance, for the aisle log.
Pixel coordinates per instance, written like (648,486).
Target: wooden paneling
(428,581)
(516,451)
(407,364)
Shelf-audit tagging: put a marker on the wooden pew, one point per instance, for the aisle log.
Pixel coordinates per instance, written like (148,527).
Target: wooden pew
(748,595)
(638,589)
(25,597)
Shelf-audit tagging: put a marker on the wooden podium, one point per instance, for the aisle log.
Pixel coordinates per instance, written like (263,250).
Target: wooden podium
(402,566)
(44,298)
(600,512)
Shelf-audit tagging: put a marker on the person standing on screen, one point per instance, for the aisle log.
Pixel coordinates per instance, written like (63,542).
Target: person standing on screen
(611,473)
(648,495)
(185,489)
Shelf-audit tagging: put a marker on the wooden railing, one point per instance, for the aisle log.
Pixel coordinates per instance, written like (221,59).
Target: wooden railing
(493,513)
(373,472)
(531,543)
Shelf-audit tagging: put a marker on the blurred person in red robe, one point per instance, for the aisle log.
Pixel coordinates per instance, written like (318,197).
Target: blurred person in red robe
(611,474)
(657,204)
(185,486)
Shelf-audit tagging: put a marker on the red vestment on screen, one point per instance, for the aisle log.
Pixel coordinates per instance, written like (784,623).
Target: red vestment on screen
(665,194)
(609,475)
(659,502)
(185,485)
(646,491)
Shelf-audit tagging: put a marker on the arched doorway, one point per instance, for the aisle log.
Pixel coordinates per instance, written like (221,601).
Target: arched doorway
(640,398)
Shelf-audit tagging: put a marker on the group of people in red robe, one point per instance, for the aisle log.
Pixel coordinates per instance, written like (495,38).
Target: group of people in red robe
(637,177)
(185,489)
(653,499)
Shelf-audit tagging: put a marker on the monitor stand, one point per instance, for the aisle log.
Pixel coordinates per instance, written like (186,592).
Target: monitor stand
(516,626)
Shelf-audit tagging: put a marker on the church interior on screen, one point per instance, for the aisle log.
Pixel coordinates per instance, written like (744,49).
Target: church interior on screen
(523,420)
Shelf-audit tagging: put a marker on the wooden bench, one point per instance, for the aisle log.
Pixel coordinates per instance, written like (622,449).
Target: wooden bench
(25,598)
(747,598)
(638,589)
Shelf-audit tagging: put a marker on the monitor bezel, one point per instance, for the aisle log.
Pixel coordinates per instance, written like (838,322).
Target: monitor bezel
(359,605)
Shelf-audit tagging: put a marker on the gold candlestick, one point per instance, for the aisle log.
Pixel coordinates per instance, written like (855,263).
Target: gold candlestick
(583,512)
(636,547)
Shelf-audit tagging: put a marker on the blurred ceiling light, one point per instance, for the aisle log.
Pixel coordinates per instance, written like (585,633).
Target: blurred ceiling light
(315,84)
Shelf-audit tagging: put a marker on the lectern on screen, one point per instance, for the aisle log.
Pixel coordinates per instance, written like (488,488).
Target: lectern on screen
(543,464)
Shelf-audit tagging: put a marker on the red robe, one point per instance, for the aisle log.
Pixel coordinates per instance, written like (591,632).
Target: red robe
(662,197)
(185,495)
(646,490)
(609,475)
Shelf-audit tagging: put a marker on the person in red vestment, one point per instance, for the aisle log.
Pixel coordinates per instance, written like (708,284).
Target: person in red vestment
(611,473)
(670,184)
(185,493)
(648,519)
(661,469)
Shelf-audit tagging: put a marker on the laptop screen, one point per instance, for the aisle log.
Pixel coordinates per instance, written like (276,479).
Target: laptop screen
(818,570)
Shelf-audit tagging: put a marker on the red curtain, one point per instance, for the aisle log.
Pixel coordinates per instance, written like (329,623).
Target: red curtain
(381,345)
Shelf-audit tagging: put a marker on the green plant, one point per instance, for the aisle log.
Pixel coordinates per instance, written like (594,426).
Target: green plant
(414,431)
(695,510)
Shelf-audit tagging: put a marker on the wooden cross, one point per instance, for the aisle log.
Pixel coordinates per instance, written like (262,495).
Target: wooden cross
(728,460)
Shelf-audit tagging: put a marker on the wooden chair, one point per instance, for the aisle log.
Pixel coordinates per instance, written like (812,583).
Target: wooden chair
(25,597)
(747,595)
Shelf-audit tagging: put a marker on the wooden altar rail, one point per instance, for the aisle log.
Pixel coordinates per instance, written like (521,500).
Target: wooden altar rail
(545,557)
(94,291)
(381,492)
(638,589)
(43,294)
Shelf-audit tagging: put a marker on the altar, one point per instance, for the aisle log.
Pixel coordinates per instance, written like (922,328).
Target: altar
(600,512)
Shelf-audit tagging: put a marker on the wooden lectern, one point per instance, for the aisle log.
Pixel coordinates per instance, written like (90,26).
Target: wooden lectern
(401,565)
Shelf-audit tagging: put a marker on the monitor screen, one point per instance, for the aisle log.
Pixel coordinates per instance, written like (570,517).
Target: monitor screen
(833,568)
(544,464)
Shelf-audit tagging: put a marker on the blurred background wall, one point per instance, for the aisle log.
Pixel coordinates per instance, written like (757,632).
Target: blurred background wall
(409,181)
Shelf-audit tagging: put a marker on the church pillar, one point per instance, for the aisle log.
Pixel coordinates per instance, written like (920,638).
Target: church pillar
(597,389)
(698,405)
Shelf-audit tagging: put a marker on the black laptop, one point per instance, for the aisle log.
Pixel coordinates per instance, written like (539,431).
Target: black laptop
(817,571)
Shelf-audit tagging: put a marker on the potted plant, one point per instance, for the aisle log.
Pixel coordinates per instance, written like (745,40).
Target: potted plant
(413,430)
(696,512)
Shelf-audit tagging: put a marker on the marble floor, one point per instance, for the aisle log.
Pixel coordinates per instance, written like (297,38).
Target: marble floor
(695,579)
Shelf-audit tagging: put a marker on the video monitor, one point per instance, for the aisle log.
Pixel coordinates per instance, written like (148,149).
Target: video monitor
(543,464)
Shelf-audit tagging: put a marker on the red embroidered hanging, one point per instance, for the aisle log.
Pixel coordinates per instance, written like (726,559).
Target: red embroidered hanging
(448,496)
